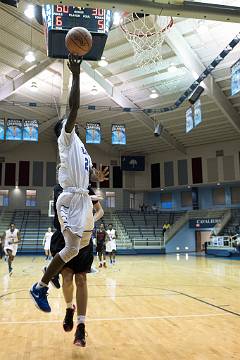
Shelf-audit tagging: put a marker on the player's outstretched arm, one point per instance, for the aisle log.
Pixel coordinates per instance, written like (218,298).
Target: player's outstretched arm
(74,63)
(99,211)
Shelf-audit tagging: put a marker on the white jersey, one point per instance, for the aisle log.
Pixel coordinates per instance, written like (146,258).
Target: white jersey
(74,205)
(11,240)
(111,244)
(47,240)
(11,237)
(75,161)
(111,234)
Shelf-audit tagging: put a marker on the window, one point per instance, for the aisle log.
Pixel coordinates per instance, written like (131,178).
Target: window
(166,201)
(218,196)
(31,197)
(186,198)
(110,199)
(4,199)
(235,194)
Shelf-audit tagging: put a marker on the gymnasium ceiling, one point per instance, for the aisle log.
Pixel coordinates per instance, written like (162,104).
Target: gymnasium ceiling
(191,45)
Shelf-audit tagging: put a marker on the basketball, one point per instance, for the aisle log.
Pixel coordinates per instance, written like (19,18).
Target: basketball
(78,41)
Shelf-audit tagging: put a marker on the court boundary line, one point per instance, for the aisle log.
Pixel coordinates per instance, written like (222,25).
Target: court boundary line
(163,317)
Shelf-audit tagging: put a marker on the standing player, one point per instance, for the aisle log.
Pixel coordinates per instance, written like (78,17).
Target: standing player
(111,246)
(46,243)
(74,205)
(78,266)
(102,238)
(11,239)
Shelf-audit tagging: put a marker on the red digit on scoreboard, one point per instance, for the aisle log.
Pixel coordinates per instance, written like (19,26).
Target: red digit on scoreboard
(59,20)
(101,24)
(62,8)
(98,12)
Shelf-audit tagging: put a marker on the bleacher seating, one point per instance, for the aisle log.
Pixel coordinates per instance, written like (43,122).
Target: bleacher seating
(233,226)
(145,228)
(135,229)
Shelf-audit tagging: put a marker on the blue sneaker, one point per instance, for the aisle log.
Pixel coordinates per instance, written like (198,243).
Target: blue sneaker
(40,298)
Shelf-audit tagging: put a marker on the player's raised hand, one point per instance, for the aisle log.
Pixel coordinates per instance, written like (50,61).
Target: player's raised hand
(74,62)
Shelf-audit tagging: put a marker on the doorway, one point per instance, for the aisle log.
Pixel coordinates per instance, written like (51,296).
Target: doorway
(201,237)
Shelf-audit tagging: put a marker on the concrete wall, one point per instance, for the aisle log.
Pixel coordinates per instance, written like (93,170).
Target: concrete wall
(133,182)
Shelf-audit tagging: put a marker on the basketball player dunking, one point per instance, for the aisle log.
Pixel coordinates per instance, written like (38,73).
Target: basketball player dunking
(74,205)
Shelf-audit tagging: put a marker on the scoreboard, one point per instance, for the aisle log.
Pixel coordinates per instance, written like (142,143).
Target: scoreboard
(59,19)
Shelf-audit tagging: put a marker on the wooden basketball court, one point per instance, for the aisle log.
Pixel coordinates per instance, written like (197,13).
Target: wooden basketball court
(147,307)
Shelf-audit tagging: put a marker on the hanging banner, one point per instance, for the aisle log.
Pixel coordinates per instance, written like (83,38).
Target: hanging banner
(2,127)
(30,130)
(189,120)
(118,134)
(197,113)
(235,81)
(14,129)
(93,133)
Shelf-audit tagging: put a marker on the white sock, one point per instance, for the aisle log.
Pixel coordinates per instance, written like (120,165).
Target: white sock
(69,305)
(100,262)
(81,319)
(104,261)
(41,285)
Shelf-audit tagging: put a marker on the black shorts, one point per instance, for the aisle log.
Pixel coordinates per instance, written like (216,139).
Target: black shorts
(83,261)
(57,242)
(101,248)
(80,263)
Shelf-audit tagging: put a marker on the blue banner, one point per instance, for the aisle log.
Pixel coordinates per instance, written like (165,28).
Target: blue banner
(118,135)
(30,130)
(2,128)
(197,113)
(14,129)
(235,81)
(133,163)
(93,133)
(189,120)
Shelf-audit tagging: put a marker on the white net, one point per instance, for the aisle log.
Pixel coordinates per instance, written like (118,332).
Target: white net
(146,34)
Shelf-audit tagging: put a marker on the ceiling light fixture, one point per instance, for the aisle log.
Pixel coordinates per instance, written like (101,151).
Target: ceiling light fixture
(30,57)
(116,18)
(29,12)
(94,90)
(154,94)
(103,62)
(172,68)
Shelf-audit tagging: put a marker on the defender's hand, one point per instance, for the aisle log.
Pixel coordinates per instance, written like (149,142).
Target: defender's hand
(101,174)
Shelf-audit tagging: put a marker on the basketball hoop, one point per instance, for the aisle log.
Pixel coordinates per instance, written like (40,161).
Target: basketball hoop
(141,33)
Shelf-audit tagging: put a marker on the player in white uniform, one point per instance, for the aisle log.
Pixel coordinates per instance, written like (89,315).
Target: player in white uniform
(111,246)
(11,239)
(47,242)
(74,205)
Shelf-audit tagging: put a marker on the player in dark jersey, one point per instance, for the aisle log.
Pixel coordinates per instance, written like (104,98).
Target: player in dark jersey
(102,238)
(78,266)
